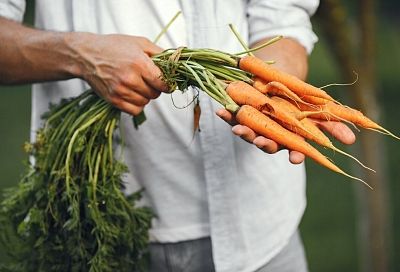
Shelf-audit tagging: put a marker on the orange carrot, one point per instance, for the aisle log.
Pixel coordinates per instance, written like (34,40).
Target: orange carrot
(322,112)
(260,84)
(265,71)
(315,100)
(244,94)
(265,126)
(196,117)
(333,111)
(278,89)
(315,134)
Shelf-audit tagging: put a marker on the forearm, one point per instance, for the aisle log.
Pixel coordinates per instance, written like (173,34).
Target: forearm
(30,55)
(289,56)
(117,67)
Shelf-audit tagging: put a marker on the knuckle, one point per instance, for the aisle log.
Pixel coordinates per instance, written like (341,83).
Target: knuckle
(145,40)
(118,91)
(112,99)
(143,101)
(128,78)
(140,62)
(154,95)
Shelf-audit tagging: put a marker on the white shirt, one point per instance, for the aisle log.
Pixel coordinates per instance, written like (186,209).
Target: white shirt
(216,185)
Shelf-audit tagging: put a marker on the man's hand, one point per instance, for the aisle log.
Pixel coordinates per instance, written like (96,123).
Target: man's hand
(119,68)
(338,130)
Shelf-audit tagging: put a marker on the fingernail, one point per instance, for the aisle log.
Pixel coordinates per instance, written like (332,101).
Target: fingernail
(236,130)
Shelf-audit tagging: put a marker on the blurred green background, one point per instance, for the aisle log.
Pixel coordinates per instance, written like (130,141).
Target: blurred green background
(329,227)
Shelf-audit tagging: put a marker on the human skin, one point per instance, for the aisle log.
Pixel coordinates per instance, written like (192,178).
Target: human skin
(119,68)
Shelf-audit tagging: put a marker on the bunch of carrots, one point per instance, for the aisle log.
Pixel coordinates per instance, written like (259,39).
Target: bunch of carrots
(274,104)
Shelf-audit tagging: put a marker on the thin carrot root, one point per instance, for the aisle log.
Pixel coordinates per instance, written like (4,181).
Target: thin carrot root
(385,132)
(342,84)
(352,157)
(355,178)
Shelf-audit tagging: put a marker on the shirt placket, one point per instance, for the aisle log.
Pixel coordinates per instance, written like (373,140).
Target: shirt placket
(219,164)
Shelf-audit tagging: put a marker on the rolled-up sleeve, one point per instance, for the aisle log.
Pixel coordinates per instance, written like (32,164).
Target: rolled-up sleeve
(290,18)
(12,9)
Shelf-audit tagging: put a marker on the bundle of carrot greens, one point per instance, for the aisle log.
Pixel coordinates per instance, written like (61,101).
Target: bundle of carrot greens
(69,212)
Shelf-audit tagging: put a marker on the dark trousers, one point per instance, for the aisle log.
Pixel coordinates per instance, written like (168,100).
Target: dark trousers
(196,256)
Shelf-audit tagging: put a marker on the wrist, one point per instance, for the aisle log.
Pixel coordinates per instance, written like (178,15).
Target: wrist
(76,44)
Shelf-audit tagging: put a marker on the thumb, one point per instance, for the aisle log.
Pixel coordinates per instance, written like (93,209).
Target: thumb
(149,47)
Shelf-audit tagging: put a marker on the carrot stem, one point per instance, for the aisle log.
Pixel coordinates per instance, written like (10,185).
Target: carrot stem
(239,38)
(164,30)
(269,42)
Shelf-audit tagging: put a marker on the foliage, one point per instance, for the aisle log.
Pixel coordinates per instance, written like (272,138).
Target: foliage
(68,213)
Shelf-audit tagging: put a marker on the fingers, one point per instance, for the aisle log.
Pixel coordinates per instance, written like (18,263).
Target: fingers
(248,134)
(126,106)
(131,96)
(136,84)
(148,47)
(267,145)
(131,100)
(338,130)
(146,75)
(153,76)
(244,132)
(296,157)
(227,116)
(119,68)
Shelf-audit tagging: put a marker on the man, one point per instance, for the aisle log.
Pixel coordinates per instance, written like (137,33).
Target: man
(221,203)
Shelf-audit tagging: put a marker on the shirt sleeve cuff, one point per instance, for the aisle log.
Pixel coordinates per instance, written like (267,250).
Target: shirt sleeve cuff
(12,9)
(268,19)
